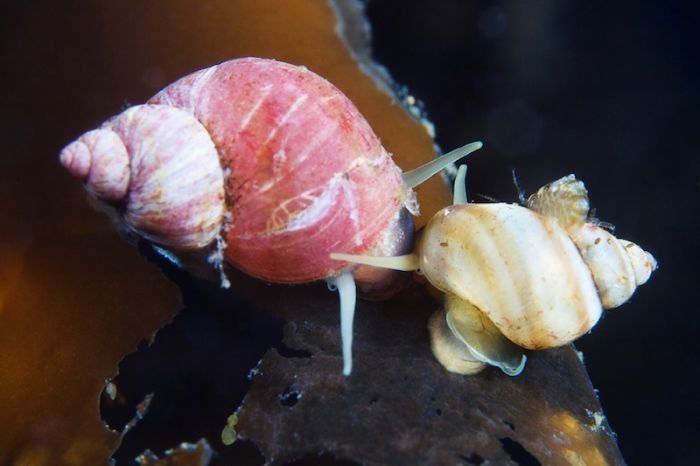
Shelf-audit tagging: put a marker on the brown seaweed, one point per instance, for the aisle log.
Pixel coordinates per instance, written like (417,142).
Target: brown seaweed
(75,298)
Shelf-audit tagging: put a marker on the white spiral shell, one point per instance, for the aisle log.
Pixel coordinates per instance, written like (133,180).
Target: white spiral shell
(518,277)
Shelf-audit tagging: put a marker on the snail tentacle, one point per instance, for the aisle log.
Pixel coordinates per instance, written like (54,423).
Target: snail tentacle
(460,189)
(345,284)
(405,263)
(413,178)
(522,200)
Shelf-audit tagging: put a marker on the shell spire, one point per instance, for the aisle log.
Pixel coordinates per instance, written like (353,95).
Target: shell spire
(159,166)
(101,160)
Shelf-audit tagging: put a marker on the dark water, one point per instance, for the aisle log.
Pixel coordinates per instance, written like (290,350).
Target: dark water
(608,91)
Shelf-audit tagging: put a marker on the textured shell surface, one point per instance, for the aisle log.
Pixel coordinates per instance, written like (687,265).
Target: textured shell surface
(643,262)
(301,165)
(518,267)
(565,199)
(100,158)
(617,266)
(266,164)
(158,164)
(176,187)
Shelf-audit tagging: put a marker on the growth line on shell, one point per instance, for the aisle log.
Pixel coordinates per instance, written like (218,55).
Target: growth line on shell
(265,91)
(282,121)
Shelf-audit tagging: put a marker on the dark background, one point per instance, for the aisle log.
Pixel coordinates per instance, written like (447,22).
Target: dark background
(608,91)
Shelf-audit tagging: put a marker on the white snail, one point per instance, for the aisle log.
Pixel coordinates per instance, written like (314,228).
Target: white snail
(518,277)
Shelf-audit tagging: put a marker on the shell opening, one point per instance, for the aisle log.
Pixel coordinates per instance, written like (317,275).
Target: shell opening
(483,339)
(454,355)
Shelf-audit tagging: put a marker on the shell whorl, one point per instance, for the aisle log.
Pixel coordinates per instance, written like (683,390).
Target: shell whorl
(618,266)
(158,165)
(643,262)
(267,156)
(101,160)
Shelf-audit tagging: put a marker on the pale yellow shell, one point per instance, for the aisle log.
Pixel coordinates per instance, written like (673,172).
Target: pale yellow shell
(617,266)
(536,277)
(518,267)
(643,263)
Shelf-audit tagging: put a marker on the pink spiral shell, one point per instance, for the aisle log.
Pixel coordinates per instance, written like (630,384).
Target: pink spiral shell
(269,157)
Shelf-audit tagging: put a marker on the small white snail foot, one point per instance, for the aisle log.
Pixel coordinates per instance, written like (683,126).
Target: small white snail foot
(345,284)
(449,350)
(485,342)
(413,178)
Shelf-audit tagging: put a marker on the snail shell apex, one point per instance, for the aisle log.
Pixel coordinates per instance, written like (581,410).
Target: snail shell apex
(99,158)
(643,262)
(170,166)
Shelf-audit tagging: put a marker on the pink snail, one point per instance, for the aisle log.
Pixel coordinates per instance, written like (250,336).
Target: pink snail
(260,164)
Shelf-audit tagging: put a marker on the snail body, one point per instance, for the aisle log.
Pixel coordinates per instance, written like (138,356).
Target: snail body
(536,276)
(260,164)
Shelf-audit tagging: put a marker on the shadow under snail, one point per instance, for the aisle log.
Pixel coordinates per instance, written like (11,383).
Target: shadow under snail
(268,167)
